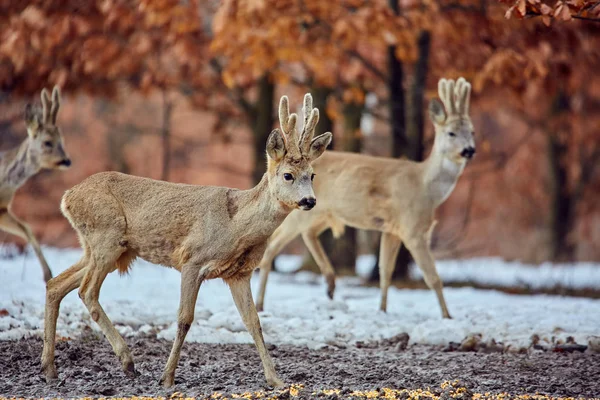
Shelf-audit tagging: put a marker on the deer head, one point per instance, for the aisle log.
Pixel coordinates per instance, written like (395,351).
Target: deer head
(46,140)
(450,117)
(289,156)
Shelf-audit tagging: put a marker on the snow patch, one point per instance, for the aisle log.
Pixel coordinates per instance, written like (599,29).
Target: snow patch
(298,311)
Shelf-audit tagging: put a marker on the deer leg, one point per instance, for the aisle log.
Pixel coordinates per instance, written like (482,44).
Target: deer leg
(191,278)
(419,249)
(311,239)
(56,289)
(89,292)
(277,242)
(388,252)
(12,224)
(242,296)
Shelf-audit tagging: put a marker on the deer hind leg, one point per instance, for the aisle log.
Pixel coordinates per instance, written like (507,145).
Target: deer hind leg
(242,296)
(191,279)
(311,240)
(56,289)
(388,252)
(12,224)
(280,238)
(419,248)
(104,260)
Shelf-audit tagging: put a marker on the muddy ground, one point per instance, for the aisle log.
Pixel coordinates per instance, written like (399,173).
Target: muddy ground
(88,367)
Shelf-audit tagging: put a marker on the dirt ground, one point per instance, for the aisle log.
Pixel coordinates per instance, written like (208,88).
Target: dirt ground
(87,367)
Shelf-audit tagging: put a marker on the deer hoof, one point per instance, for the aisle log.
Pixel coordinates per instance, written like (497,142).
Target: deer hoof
(129,369)
(259,307)
(275,382)
(447,316)
(330,286)
(51,375)
(166,381)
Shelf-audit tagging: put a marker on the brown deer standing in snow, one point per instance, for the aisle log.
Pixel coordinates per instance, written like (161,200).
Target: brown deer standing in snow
(202,231)
(43,149)
(396,197)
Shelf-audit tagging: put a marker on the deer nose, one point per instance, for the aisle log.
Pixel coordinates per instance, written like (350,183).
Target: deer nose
(307,203)
(66,162)
(468,152)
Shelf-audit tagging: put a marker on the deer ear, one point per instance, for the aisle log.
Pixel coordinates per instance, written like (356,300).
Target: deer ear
(318,145)
(436,112)
(275,145)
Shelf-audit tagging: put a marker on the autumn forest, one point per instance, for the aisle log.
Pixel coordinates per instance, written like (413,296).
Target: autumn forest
(187,91)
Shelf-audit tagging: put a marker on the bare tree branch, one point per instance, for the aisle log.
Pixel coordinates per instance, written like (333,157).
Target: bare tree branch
(370,66)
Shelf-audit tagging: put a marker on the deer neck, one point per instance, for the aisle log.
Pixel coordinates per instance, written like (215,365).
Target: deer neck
(441,174)
(23,164)
(264,212)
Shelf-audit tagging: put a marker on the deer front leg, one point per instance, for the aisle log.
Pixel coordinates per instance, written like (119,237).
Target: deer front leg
(242,296)
(56,289)
(277,242)
(12,224)
(191,279)
(388,252)
(419,248)
(311,239)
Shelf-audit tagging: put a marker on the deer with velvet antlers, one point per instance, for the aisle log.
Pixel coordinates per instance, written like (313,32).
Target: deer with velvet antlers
(43,149)
(202,231)
(396,197)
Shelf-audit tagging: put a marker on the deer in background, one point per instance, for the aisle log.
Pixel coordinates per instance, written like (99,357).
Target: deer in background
(204,232)
(396,197)
(43,149)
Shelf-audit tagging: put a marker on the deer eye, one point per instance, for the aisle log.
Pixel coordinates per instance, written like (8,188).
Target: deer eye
(288,177)
(312,177)
(451,134)
(48,144)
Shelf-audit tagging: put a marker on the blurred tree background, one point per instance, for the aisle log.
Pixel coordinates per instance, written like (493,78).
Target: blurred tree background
(186,90)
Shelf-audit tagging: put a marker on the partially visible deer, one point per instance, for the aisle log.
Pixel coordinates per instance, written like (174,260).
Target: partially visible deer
(43,149)
(396,197)
(202,231)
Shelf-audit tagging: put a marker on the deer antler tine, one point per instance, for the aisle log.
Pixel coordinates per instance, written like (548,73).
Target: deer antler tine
(446,93)
(308,105)
(308,111)
(450,98)
(284,113)
(45,105)
(55,104)
(309,129)
(463,94)
(291,127)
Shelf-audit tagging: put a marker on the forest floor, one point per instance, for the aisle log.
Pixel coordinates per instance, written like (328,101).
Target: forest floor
(87,367)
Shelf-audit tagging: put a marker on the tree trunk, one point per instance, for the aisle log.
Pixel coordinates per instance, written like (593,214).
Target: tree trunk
(166,136)
(562,205)
(262,124)
(415,121)
(561,220)
(396,104)
(407,133)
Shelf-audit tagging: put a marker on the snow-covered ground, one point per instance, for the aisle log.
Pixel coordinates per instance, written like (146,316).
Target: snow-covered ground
(491,271)
(298,311)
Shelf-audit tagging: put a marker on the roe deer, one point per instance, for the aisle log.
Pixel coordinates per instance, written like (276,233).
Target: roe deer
(43,149)
(396,197)
(202,231)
